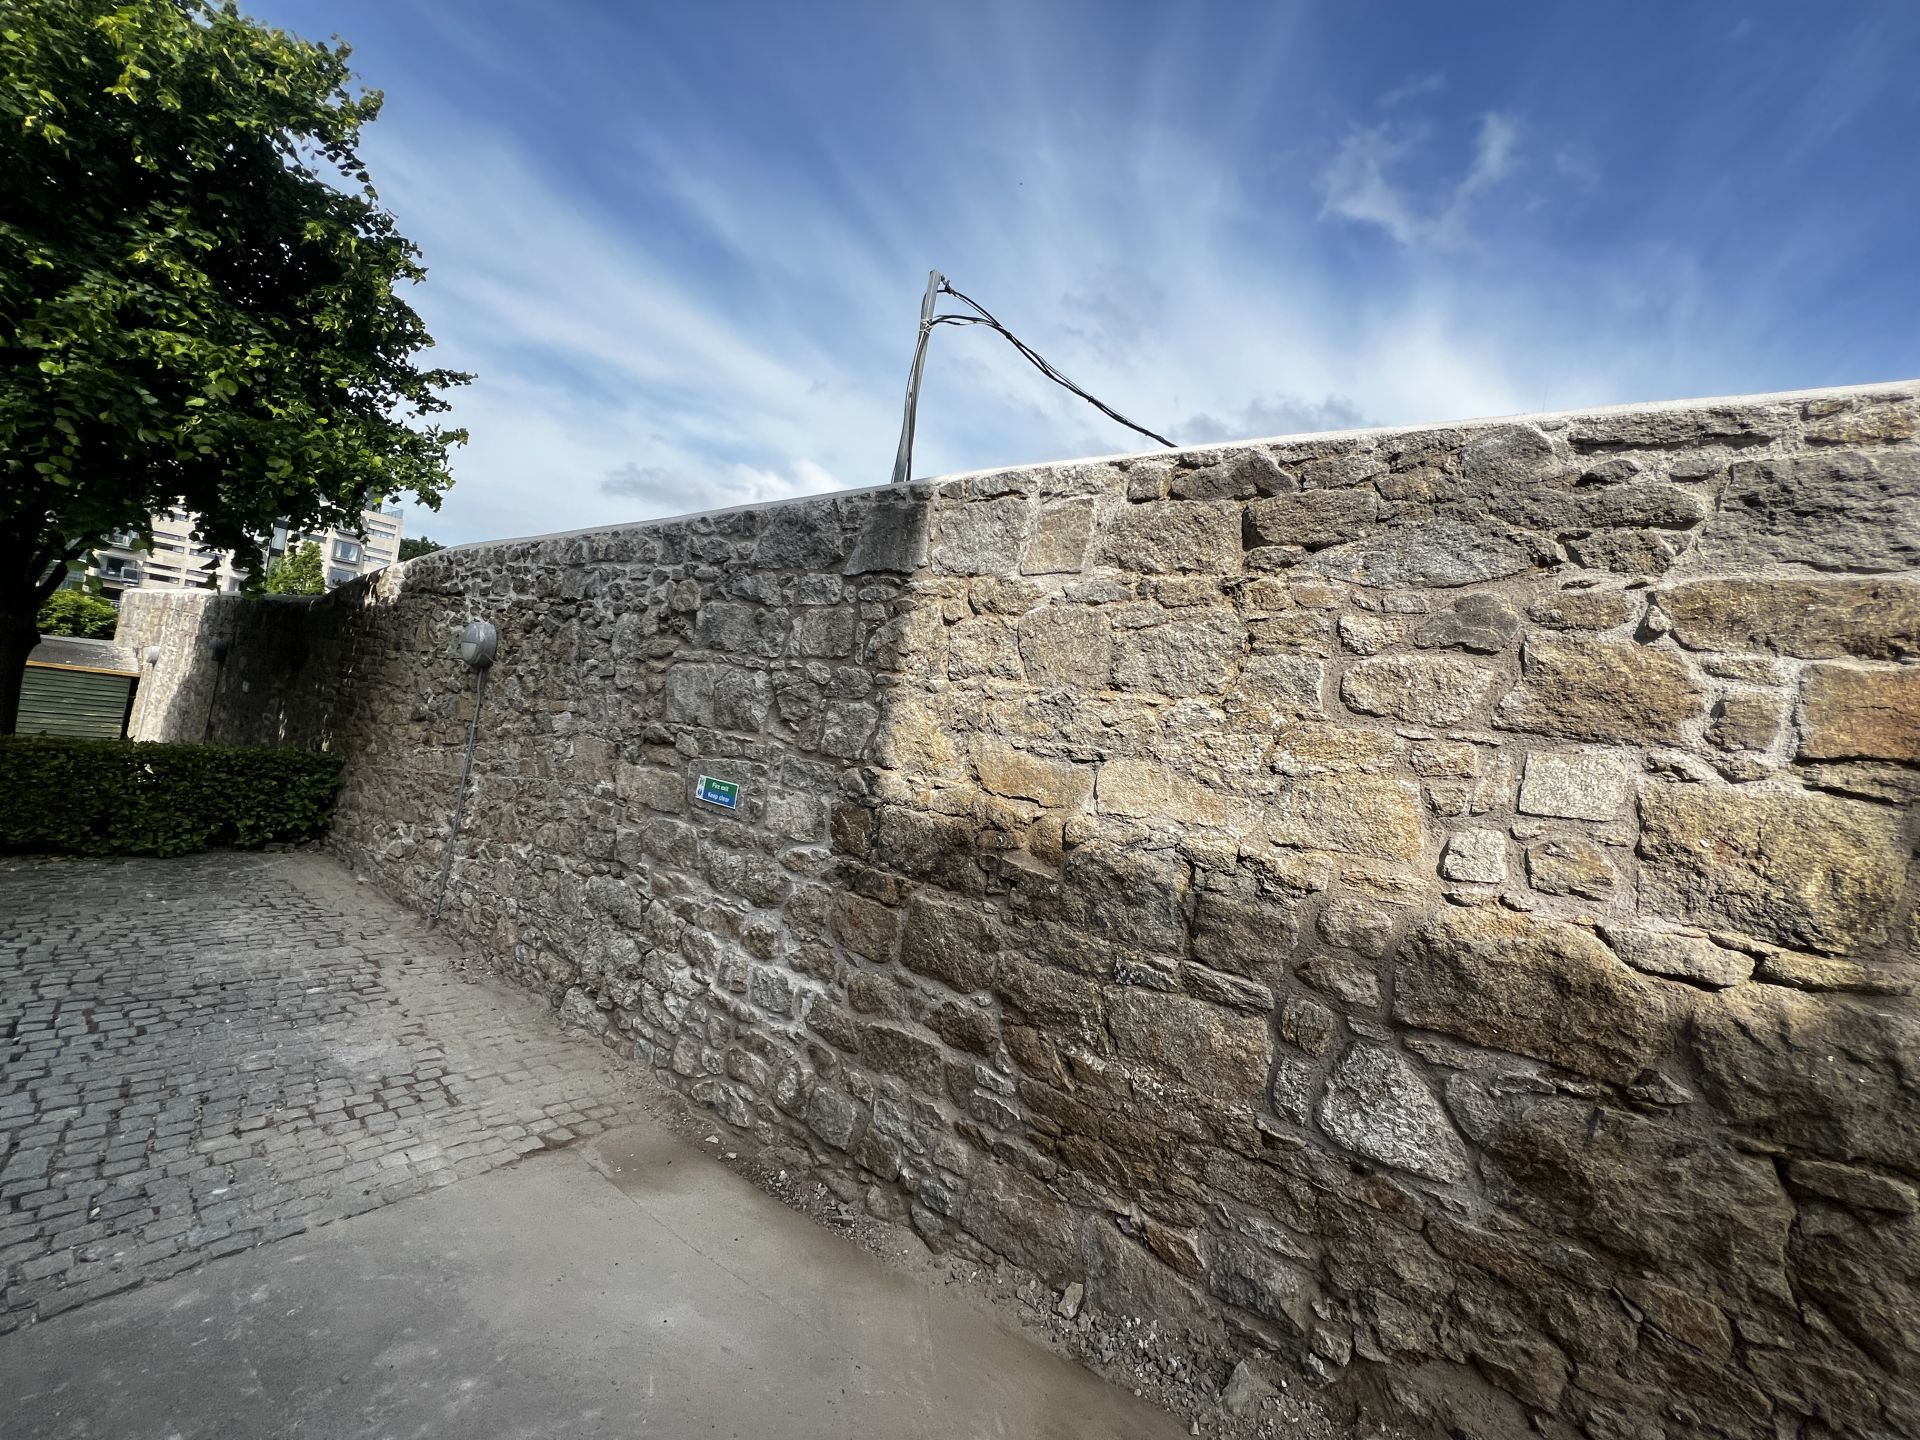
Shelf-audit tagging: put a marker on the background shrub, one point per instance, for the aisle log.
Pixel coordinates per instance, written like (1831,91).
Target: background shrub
(126,797)
(75,612)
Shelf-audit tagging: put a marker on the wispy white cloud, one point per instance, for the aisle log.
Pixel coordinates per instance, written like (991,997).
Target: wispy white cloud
(1414,87)
(662,490)
(1493,154)
(1273,416)
(1355,185)
(1358,184)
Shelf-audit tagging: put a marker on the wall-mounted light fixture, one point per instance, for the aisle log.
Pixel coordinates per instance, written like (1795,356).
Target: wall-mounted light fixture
(151,655)
(478,643)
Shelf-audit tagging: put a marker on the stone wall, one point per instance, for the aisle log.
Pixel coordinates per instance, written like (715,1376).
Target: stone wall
(1434,905)
(234,669)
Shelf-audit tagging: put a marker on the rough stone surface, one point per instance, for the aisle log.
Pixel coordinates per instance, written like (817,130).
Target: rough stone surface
(892,537)
(1806,618)
(1175,536)
(1357,923)
(980,539)
(1020,775)
(954,944)
(1576,787)
(1313,520)
(1426,689)
(1245,1390)
(1600,1172)
(1838,510)
(1377,1104)
(1067,648)
(1307,1026)
(1343,978)
(1583,609)
(1860,712)
(1571,865)
(1220,1052)
(1155,791)
(1113,884)
(1607,690)
(1536,987)
(1745,722)
(1440,554)
(1355,815)
(1016,1216)
(1476,855)
(1185,657)
(1850,1185)
(1680,956)
(1769,1055)
(1799,870)
(1500,456)
(1479,622)
(1060,538)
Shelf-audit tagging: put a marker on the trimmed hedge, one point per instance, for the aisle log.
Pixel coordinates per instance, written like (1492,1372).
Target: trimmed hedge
(126,797)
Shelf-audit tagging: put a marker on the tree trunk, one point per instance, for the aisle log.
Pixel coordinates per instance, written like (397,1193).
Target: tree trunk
(18,635)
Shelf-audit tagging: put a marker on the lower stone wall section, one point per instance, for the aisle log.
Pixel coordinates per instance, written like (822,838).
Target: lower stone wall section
(234,669)
(1434,907)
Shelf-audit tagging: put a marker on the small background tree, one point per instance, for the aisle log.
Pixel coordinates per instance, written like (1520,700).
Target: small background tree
(412,547)
(198,303)
(298,572)
(75,612)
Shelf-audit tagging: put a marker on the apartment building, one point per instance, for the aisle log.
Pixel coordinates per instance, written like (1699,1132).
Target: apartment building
(177,561)
(344,555)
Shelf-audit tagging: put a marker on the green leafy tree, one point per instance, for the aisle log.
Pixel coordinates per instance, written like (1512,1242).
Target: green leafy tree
(298,572)
(75,612)
(198,304)
(412,547)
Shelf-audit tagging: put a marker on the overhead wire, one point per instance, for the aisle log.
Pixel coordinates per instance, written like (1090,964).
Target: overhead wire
(1033,357)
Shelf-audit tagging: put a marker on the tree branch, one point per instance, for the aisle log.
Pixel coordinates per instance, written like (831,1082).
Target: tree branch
(51,566)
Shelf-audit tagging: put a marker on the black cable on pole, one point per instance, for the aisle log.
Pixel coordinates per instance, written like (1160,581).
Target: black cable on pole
(1039,364)
(937,284)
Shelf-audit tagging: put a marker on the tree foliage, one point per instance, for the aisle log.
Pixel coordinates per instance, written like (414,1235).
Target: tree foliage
(298,572)
(198,304)
(75,612)
(412,547)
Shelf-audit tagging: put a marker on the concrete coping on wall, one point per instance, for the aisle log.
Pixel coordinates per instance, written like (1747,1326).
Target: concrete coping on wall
(925,489)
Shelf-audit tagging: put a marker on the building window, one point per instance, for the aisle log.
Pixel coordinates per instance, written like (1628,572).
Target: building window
(340,577)
(347,551)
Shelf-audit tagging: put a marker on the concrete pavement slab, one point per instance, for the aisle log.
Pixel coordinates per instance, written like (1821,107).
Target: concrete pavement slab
(632,1286)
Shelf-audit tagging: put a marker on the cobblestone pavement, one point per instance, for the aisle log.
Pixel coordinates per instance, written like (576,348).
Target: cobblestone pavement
(202,1054)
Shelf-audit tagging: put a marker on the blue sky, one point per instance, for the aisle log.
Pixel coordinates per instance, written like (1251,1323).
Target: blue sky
(683,245)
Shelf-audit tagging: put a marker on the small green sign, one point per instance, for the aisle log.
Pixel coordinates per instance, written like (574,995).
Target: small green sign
(723,793)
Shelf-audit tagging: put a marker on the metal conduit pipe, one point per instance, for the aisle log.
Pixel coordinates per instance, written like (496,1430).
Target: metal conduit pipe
(479,642)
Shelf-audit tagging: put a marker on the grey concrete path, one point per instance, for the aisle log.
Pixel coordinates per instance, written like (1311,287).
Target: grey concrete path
(630,1287)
